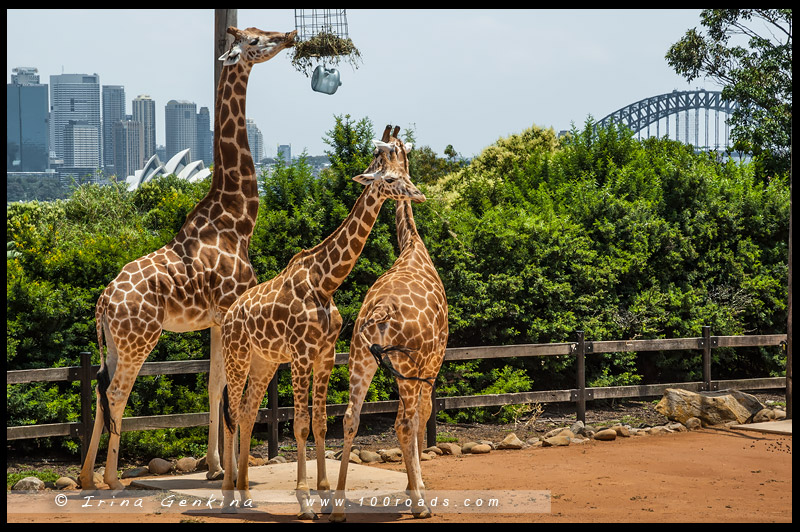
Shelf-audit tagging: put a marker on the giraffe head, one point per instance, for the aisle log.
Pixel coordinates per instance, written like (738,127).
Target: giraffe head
(388,170)
(255,46)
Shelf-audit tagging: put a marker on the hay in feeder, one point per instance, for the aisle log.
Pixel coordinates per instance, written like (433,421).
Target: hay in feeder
(326,48)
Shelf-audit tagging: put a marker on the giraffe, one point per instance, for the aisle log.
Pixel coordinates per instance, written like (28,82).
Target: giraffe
(293,318)
(188,284)
(403,317)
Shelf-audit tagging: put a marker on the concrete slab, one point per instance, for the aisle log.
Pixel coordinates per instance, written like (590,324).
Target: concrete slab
(276,482)
(784,426)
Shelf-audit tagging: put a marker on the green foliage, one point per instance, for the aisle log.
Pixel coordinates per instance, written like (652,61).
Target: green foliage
(534,239)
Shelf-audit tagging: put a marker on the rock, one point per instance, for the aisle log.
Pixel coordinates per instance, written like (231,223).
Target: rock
(765,414)
(202,464)
(136,472)
(779,414)
(677,427)
(98,478)
(449,448)
(606,435)
(658,430)
(536,443)
(330,454)
(29,484)
(354,458)
(467,446)
(489,443)
(578,440)
(510,442)
(481,448)
(66,483)
(159,466)
(561,431)
(277,460)
(712,408)
(433,449)
(394,454)
(368,457)
(578,427)
(252,461)
(556,441)
(424,457)
(693,423)
(622,430)
(189,463)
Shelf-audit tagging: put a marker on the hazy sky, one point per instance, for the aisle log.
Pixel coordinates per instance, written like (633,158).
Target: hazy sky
(460,77)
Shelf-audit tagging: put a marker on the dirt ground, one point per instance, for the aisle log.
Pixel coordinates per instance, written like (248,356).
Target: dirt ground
(709,475)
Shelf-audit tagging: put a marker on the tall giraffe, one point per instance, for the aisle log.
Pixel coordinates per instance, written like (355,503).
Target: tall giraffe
(292,318)
(403,325)
(190,283)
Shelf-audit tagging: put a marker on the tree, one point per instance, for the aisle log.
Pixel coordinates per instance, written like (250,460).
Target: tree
(760,80)
(757,77)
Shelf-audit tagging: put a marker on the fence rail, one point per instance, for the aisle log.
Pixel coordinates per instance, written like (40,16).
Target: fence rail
(273,414)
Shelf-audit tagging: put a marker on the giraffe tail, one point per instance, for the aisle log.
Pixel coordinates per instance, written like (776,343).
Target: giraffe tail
(379,352)
(103,377)
(226,409)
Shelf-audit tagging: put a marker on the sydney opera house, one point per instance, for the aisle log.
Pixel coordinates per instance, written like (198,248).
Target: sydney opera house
(179,165)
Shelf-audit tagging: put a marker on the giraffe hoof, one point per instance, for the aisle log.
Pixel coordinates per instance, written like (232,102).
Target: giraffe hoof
(308,515)
(337,518)
(215,475)
(425,513)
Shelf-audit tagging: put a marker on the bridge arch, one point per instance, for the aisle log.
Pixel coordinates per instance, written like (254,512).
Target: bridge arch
(684,107)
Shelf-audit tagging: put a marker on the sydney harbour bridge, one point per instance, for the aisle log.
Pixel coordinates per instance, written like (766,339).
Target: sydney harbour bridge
(677,115)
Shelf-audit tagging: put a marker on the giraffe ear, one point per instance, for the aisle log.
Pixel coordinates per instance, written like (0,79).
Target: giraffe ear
(232,56)
(365,179)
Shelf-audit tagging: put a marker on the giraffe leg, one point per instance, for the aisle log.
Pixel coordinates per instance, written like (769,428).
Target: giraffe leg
(118,392)
(362,369)
(301,377)
(425,409)
(261,373)
(406,425)
(233,392)
(323,365)
(216,382)
(86,478)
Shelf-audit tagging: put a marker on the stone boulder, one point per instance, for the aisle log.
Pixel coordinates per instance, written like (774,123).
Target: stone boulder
(159,466)
(449,448)
(511,442)
(712,408)
(606,435)
(29,484)
(368,457)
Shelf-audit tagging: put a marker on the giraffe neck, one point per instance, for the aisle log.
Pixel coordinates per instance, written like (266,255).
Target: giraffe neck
(404,221)
(234,186)
(334,258)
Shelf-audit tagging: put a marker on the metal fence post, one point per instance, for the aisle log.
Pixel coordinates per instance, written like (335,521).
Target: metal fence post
(272,402)
(580,407)
(86,402)
(707,358)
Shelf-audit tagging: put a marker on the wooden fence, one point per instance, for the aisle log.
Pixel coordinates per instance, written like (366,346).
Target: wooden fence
(274,414)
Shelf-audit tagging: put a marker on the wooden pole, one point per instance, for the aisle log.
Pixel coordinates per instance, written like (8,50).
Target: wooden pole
(789,320)
(707,358)
(222,40)
(272,402)
(580,407)
(86,403)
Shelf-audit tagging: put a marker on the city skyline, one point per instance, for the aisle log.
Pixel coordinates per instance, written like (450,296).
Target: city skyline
(465,77)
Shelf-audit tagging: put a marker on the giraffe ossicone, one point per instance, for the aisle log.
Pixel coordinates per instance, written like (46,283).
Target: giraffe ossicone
(190,282)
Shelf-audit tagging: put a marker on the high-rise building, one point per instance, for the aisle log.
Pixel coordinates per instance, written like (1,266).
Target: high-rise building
(180,121)
(256,141)
(205,137)
(27,133)
(81,145)
(144,112)
(285,151)
(73,97)
(128,148)
(113,112)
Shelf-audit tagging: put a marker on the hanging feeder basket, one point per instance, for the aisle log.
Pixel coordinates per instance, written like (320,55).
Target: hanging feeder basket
(322,39)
